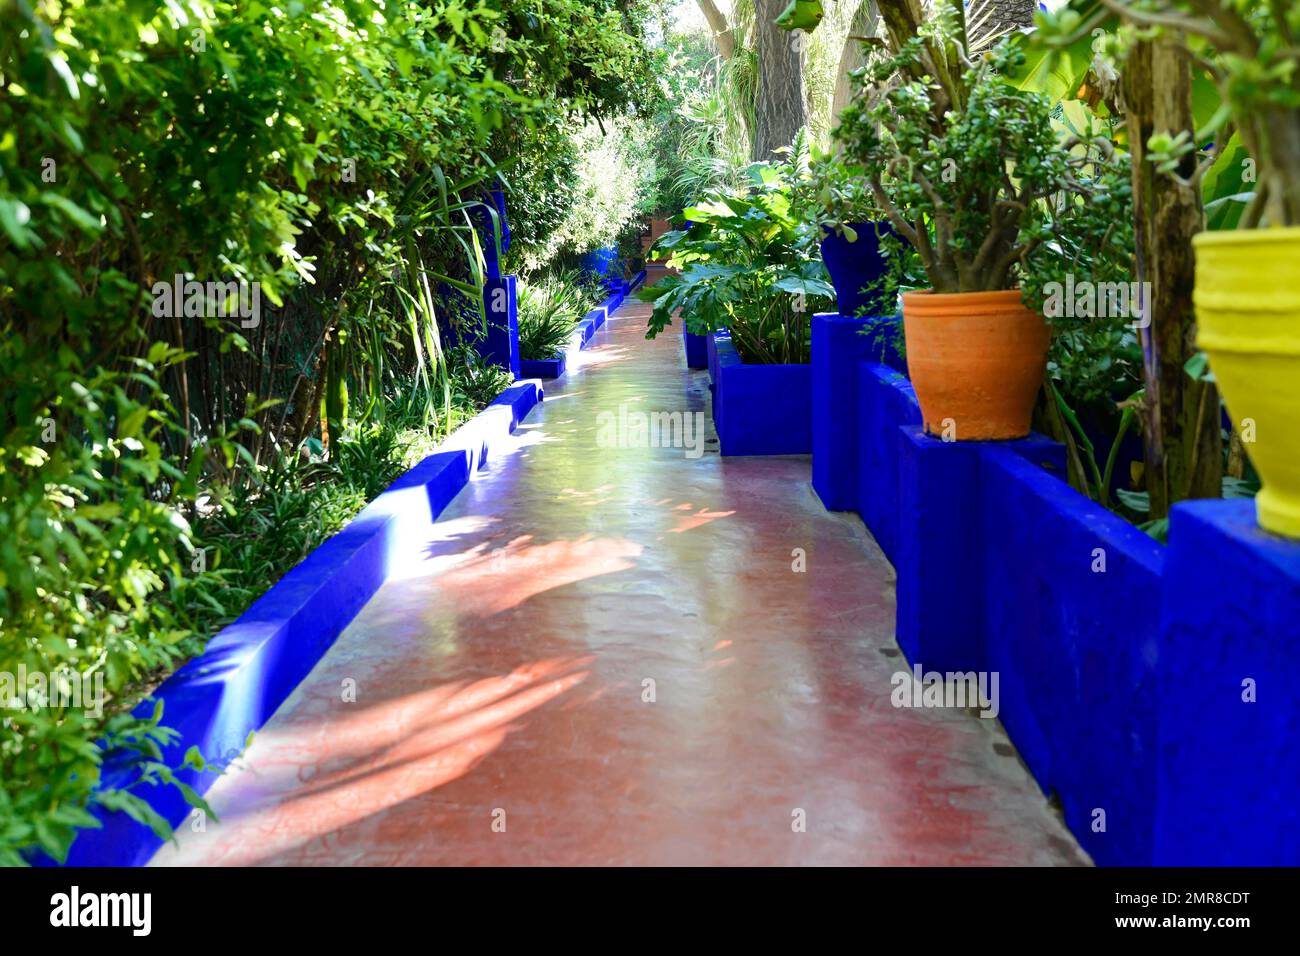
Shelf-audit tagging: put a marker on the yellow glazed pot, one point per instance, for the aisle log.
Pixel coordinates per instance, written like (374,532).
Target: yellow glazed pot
(1248,318)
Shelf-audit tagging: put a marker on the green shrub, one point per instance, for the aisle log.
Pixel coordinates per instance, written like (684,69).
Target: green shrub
(550,309)
(327,155)
(751,263)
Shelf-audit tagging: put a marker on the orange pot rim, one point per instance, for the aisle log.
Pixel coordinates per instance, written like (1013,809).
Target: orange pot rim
(960,299)
(1002,302)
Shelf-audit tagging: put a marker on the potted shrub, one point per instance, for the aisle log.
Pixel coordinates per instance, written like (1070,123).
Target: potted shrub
(749,264)
(852,228)
(964,165)
(549,312)
(1247,300)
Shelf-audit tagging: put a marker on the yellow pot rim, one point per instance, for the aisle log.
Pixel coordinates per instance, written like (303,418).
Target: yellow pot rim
(1231,237)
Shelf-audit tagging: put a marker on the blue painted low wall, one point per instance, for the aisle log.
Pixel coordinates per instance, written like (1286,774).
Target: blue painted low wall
(759,409)
(589,325)
(613,301)
(542,368)
(1228,691)
(1122,664)
(885,402)
(250,667)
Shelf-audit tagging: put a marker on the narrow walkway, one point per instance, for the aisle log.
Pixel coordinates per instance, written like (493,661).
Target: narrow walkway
(607,657)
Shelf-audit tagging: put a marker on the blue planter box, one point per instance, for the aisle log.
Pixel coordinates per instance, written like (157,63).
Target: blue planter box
(760,409)
(1122,664)
(542,368)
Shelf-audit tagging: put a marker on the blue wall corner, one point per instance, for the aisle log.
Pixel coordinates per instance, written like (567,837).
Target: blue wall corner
(1071,613)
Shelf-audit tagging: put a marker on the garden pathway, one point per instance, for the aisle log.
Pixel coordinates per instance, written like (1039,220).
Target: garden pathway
(606,657)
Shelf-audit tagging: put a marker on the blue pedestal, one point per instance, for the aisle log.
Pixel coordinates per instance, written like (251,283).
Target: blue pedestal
(1228,776)
(938,561)
(501,345)
(838,343)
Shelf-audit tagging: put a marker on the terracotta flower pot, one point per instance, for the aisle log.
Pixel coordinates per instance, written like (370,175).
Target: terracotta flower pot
(976,360)
(1247,305)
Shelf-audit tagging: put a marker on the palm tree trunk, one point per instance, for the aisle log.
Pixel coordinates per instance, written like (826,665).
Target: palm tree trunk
(782,108)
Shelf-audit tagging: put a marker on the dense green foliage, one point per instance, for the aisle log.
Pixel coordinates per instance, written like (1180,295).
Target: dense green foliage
(550,308)
(751,264)
(158,470)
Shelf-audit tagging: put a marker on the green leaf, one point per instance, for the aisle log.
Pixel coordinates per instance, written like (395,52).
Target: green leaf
(1057,72)
(14,216)
(801,15)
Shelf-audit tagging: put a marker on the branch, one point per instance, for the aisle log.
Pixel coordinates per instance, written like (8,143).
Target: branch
(1203,27)
(723,34)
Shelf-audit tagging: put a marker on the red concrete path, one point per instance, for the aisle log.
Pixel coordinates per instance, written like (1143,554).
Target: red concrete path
(502,681)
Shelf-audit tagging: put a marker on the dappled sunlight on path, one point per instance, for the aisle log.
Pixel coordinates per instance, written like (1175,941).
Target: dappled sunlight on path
(609,655)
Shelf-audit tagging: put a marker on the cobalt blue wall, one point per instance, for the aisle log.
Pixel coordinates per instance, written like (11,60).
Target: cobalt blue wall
(1120,661)
(760,409)
(885,401)
(250,667)
(1228,781)
(1074,645)
(605,265)
(542,368)
(838,343)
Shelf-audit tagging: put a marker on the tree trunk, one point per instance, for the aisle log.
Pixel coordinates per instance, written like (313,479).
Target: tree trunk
(1184,445)
(853,56)
(723,34)
(782,109)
